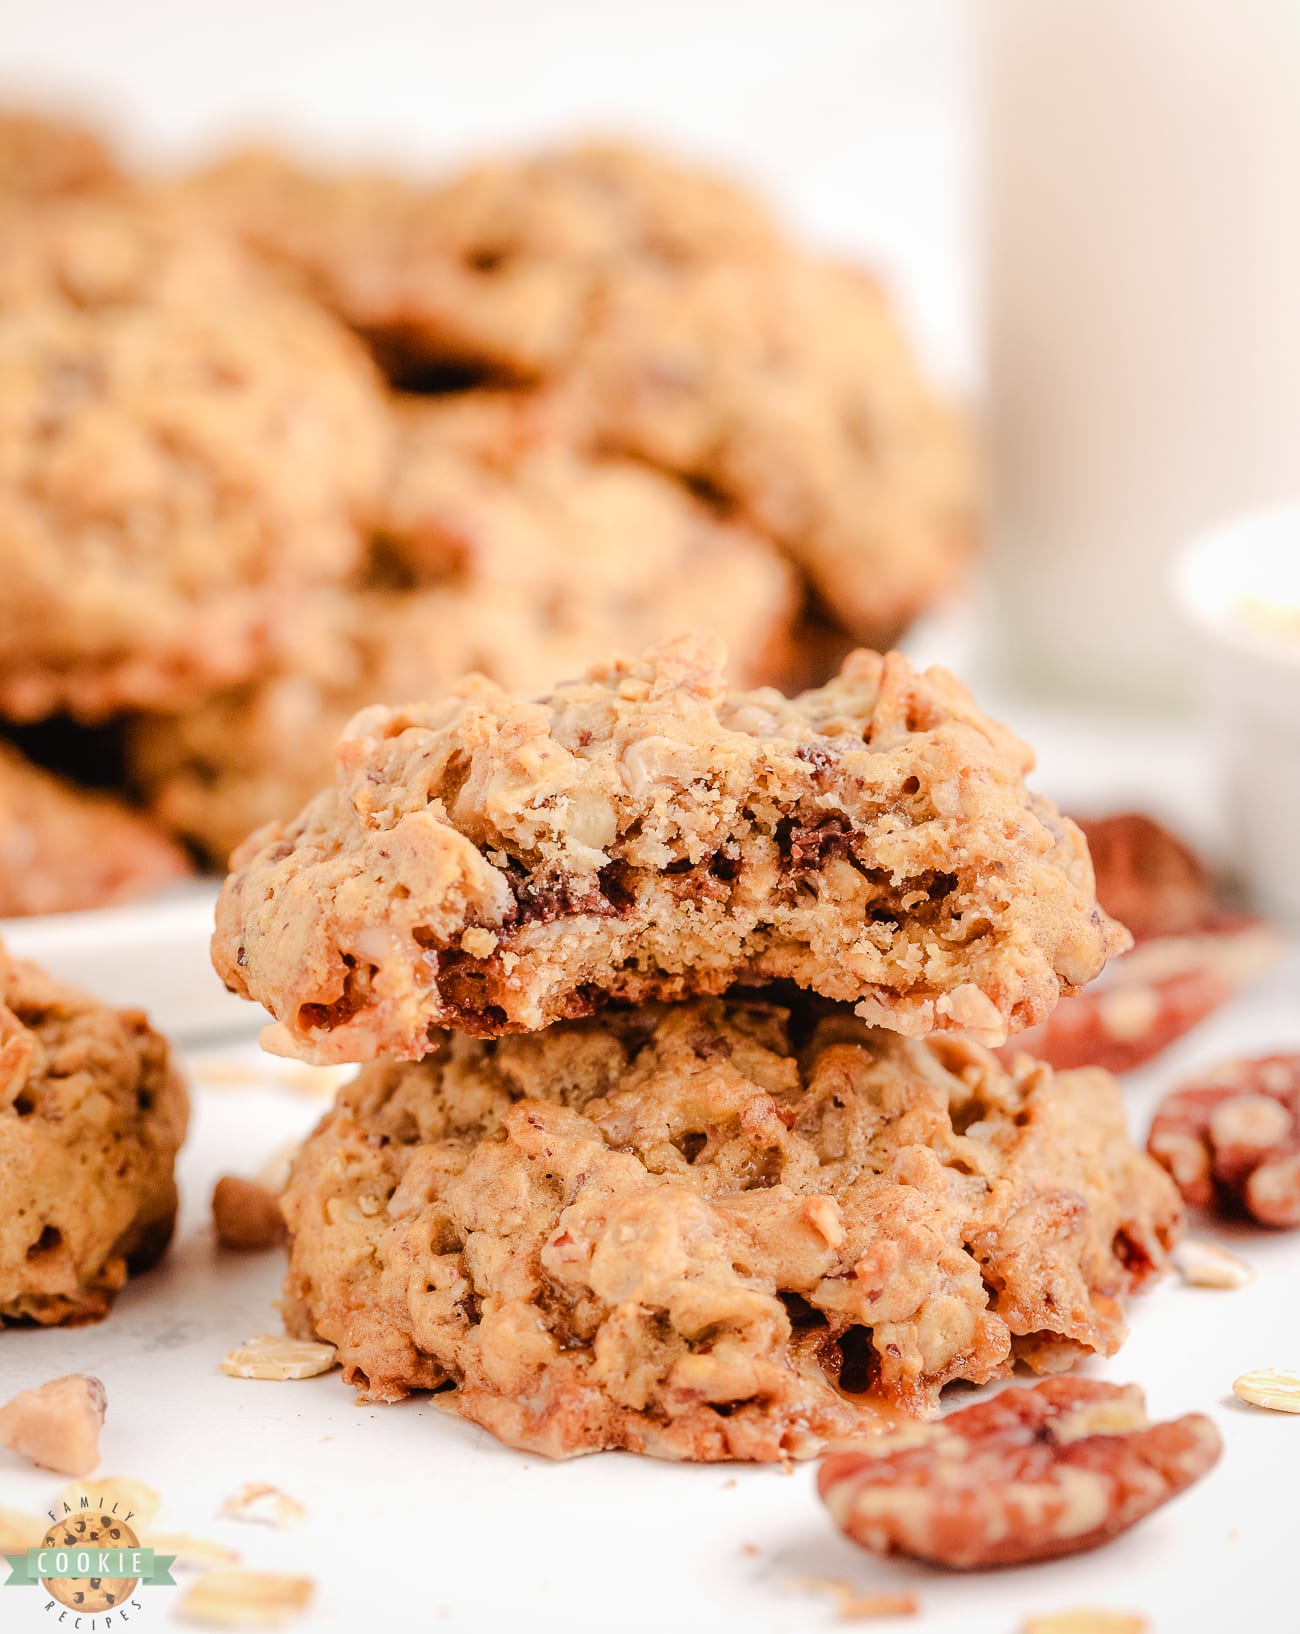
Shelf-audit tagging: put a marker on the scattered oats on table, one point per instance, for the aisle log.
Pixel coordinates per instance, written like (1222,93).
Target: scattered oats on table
(274,1356)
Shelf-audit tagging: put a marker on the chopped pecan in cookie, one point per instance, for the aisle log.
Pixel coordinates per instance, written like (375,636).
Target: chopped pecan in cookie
(645,833)
(246,1214)
(724,1229)
(1231,1139)
(1038,1472)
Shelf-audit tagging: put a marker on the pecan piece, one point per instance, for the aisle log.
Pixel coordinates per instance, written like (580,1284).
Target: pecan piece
(246,1214)
(1039,1471)
(1150,881)
(1193,952)
(1231,1139)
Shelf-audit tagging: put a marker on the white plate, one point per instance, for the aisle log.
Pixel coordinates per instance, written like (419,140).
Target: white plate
(151,956)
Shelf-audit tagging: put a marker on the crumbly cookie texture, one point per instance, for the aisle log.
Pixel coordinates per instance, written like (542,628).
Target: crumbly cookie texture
(730,1228)
(183,447)
(64,848)
(691,332)
(491,865)
(42,158)
(498,550)
(92,1113)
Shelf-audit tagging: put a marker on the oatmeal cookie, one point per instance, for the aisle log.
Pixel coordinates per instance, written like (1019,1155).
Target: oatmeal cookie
(64,848)
(497,268)
(183,448)
(92,1113)
(730,1228)
(43,158)
(492,865)
(692,332)
(786,386)
(495,553)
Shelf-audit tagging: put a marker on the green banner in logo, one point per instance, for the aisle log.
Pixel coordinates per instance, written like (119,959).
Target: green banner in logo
(29,1568)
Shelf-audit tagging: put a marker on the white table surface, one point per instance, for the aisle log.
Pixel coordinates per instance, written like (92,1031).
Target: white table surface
(510,1541)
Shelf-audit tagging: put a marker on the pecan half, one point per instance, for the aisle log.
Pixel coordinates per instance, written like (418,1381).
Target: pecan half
(1040,1471)
(1231,1139)
(1193,952)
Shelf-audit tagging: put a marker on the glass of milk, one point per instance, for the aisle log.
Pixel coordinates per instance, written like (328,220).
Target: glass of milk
(1142,220)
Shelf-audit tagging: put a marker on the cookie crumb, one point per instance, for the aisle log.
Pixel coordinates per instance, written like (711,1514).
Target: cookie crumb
(260,1502)
(478,943)
(1086,1620)
(749,1550)
(1276,1388)
(729,1483)
(131,1501)
(246,1214)
(243,1599)
(273,1356)
(57,1424)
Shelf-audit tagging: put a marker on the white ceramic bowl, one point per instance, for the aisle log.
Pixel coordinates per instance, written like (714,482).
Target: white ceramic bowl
(1239,590)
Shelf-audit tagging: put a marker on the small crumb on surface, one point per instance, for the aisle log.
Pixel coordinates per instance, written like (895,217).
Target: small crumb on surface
(57,1424)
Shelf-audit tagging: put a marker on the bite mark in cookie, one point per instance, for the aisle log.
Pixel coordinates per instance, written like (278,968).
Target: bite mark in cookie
(732,1228)
(493,865)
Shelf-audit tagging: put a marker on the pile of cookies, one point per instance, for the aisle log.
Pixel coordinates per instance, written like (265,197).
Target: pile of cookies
(279,444)
(679,1127)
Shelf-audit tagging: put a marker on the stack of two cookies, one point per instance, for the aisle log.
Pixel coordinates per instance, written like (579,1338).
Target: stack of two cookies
(678,1130)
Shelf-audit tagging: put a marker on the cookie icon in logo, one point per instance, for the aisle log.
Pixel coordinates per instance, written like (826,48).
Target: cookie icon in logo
(78,1532)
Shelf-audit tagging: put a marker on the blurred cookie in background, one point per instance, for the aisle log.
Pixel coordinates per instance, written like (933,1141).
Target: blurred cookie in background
(185,447)
(496,269)
(499,550)
(786,387)
(691,332)
(43,156)
(64,848)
